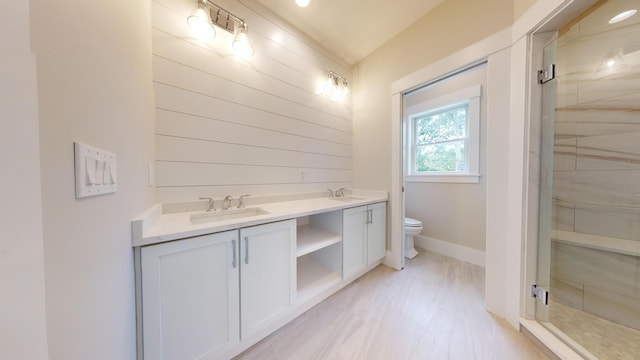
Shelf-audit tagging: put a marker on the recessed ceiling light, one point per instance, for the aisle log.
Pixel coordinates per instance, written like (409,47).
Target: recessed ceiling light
(623,16)
(303,3)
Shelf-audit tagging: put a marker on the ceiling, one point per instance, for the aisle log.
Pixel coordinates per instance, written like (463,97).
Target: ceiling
(352,29)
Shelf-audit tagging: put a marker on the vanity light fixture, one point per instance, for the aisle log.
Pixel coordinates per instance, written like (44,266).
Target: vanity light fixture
(208,14)
(623,16)
(336,87)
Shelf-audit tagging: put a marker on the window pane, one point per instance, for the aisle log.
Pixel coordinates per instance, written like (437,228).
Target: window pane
(444,157)
(445,125)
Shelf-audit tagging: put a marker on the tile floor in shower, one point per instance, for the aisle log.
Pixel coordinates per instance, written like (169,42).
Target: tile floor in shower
(602,338)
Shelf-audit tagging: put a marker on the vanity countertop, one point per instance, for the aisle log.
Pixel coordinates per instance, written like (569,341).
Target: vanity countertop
(154,227)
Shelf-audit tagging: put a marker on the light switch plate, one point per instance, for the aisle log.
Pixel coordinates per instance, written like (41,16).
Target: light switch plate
(96,171)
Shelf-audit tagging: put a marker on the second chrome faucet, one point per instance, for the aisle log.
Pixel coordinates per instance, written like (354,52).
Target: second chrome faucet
(226,203)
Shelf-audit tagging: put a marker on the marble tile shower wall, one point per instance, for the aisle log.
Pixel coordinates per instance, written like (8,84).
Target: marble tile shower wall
(596,178)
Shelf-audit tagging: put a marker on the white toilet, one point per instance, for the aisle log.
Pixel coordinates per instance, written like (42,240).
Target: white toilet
(411,227)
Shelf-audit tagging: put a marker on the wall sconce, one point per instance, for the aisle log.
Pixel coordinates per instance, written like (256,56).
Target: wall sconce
(336,87)
(207,14)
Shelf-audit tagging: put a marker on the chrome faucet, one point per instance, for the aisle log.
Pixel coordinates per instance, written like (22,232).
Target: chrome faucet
(240,201)
(226,203)
(331,194)
(211,205)
(340,192)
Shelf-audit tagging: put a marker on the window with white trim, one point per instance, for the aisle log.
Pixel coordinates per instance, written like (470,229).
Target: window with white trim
(442,138)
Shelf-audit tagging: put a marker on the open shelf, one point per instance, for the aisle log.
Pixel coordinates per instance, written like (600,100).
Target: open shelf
(319,252)
(311,239)
(314,277)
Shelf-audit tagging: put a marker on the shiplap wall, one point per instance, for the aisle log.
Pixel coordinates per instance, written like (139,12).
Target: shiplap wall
(226,125)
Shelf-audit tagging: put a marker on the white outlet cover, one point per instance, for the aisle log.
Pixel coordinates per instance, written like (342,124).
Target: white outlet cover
(95,171)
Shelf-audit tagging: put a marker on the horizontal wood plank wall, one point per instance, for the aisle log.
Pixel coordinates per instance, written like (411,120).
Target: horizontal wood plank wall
(232,126)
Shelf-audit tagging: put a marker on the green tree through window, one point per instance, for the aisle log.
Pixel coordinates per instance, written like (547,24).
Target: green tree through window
(440,139)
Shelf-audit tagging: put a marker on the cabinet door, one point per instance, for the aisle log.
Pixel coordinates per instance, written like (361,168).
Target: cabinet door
(190,297)
(268,282)
(377,232)
(354,232)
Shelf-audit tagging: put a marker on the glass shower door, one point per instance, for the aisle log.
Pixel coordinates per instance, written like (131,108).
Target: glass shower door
(547,124)
(589,217)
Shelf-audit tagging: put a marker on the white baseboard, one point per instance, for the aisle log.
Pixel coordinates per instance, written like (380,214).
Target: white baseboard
(455,251)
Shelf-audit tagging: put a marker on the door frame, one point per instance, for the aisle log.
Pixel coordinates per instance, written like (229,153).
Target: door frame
(511,253)
(495,50)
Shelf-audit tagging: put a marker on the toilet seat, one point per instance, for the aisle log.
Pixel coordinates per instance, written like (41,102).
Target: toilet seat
(410,222)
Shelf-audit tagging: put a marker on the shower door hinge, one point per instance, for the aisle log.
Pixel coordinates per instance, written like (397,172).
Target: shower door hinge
(547,74)
(540,293)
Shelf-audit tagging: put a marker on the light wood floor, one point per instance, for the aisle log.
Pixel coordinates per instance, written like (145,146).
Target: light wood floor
(433,309)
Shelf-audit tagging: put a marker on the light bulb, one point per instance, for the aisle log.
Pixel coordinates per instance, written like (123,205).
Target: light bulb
(329,86)
(241,44)
(303,3)
(345,90)
(200,24)
(337,94)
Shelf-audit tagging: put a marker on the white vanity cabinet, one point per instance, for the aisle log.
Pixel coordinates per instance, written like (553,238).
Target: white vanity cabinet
(354,235)
(212,296)
(190,297)
(193,291)
(363,237)
(376,232)
(267,275)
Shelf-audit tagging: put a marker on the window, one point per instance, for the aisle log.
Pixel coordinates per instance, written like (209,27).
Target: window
(440,139)
(443,138)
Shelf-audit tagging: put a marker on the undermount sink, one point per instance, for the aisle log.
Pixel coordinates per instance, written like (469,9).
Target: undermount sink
(349,198)
(222,215)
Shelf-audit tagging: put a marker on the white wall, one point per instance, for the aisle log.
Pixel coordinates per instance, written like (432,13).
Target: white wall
(94,86)
(521,6)
(227,125)
(22,303)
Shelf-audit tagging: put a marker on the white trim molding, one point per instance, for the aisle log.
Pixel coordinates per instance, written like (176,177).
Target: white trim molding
(448,178)
(455,251)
